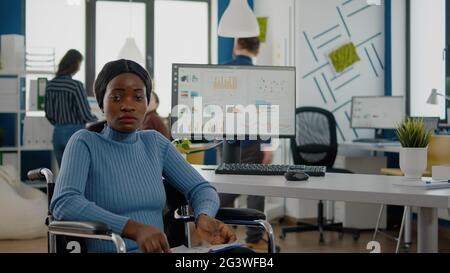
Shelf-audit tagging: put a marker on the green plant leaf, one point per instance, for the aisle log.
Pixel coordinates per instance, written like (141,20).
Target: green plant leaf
(413,134)
(182,145)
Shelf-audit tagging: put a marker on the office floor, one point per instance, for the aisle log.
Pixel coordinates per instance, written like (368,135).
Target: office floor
(305,242)
(308,242)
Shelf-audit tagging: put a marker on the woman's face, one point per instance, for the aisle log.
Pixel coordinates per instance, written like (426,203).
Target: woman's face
(125,102)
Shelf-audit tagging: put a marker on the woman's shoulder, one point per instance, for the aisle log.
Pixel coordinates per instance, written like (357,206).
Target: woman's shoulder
(152,135)
(84,135)
(148,133)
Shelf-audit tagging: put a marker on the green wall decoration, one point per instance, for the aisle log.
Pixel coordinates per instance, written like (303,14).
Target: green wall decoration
(262,22)
(344,57)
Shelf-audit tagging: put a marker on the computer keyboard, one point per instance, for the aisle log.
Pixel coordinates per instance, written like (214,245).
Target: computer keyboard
(267,169)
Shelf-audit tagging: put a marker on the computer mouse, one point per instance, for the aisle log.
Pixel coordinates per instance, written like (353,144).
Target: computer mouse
(296,176)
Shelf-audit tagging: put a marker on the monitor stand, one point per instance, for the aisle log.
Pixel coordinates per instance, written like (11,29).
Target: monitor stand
(231,152)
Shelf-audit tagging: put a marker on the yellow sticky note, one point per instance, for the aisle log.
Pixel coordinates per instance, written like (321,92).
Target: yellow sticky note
(344,57)
(262,22)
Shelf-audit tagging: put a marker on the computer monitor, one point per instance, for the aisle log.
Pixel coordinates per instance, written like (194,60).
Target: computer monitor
(431,123)
(377,112)
(203,91)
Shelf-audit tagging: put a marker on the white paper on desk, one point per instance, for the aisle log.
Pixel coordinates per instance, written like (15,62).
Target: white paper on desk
(203,249)
(421,184)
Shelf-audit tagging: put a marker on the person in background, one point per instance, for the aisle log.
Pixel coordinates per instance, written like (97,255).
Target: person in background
(246,49)
(66,104)
(152,120)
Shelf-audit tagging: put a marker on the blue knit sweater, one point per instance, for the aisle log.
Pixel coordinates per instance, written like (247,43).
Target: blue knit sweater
(112,177)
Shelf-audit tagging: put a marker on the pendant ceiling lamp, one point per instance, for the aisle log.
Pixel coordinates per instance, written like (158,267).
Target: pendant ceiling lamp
(238,21)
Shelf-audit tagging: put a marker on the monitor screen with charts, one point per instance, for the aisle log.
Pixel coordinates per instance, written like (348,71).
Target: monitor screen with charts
(215,95)
(377,112)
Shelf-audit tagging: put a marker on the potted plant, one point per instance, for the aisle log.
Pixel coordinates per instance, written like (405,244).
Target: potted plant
(183,146)
(414,138)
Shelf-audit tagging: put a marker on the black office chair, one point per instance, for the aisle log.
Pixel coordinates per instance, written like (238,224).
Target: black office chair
(315,143)
(67,236)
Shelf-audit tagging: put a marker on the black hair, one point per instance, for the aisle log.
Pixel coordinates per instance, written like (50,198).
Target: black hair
(69,63)
(251,44)
(115,68)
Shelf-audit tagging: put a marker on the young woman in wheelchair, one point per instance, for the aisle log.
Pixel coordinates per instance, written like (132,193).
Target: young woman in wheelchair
(113,172)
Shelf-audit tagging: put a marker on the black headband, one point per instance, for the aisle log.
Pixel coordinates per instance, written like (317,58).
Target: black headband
(115,68)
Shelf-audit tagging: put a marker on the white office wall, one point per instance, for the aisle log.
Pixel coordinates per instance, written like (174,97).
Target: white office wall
(427,65)
(398,47)
(322,26)
(278,49)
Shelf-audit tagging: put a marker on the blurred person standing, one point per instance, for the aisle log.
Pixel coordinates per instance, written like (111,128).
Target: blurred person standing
(66,104)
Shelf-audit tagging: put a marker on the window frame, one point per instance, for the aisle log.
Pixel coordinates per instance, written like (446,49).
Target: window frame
(149,41)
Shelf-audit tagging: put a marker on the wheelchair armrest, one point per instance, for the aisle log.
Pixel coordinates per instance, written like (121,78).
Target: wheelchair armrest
(82,228)
(227,214)
(92,230)
(243,214)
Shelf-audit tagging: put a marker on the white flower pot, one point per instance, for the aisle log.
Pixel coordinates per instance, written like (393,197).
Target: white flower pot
(413,162)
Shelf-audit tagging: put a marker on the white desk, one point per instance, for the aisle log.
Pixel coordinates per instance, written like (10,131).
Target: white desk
(377,189)
(390,147)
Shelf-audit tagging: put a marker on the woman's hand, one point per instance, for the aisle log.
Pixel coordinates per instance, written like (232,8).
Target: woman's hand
(148,238)
(214,231)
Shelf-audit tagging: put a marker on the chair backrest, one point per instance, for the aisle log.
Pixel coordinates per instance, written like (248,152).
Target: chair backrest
(315,140)
(438,151)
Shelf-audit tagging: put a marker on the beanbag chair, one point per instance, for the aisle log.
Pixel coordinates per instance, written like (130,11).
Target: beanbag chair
(22,208)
